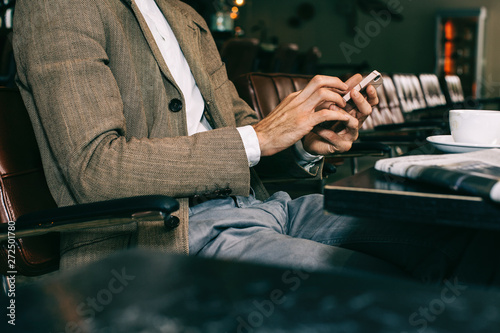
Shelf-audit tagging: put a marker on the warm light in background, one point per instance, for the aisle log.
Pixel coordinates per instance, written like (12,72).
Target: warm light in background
(448,63)
(449,48)
(227,11)
(449,30)
(234,12)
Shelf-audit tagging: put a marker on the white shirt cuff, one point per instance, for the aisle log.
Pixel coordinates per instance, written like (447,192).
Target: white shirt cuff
(304,159)
(251,144)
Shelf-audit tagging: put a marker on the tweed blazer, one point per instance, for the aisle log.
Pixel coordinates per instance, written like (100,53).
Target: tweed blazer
(98,93)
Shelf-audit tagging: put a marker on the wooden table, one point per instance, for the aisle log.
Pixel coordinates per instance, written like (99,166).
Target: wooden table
(382,196)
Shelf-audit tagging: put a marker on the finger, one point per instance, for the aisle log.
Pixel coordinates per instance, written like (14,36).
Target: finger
(324,105)
(323,81)
(348,129)
(288,99)
(372,95)
(329,115)
(329,142)
(364,108)
(327,105)
(285,103)
(322,97)
(354,80)
(317,146)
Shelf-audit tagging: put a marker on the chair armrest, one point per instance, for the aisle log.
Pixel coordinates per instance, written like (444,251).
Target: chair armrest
(92,215)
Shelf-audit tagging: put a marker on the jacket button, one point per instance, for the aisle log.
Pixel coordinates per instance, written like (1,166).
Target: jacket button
(175,105)
(171,222)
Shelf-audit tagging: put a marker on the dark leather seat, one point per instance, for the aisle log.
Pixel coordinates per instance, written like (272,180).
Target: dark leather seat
(29,217)
(409,91)
(386,112)
(393,103)
(264,91)
(410,113)
(454,91)
(432,90)
(22,186)
(456,99)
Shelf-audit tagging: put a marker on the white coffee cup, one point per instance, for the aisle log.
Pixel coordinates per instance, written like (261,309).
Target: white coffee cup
(475,126)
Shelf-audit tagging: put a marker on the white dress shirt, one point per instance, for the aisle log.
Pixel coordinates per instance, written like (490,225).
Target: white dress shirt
(179,68)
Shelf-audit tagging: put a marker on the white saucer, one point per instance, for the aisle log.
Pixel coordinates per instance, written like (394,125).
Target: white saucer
(446,144)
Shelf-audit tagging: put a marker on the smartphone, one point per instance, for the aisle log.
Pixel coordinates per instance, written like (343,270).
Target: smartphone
(374,78)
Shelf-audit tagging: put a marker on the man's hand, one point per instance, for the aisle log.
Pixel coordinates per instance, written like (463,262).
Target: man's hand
(340,136)
(299,113)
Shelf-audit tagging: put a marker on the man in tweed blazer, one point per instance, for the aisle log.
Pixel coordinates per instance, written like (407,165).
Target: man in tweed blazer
(101,99)
(110,120)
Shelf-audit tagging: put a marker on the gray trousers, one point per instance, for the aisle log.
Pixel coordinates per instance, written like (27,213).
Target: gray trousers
(298,234)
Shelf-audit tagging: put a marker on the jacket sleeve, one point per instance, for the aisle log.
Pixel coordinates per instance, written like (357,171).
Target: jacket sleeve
(77,111)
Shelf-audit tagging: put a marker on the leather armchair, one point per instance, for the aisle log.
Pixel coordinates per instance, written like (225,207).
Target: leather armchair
(30,221)
(409,91)
(414,112)
(388,110)
(454,91)
(264,91)
(433,93)
(452,87)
